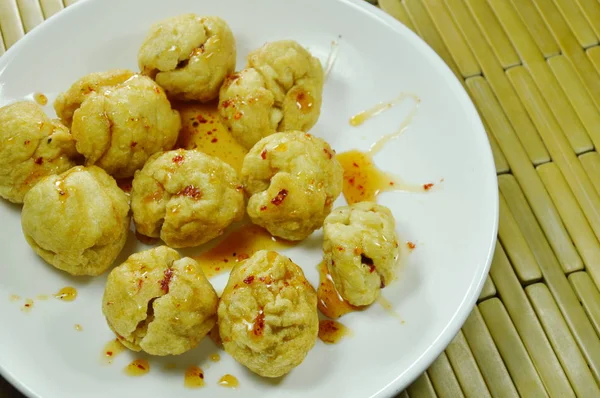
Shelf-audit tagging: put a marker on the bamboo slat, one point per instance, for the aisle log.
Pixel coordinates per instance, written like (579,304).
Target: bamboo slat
(465,368)
(443,379)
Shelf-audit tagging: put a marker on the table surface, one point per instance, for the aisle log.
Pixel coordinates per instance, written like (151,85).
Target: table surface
(532,67)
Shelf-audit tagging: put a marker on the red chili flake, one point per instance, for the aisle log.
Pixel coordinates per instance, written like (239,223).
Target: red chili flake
(239,188)
(140,283)
(225,260)
(178,159)
(214,140)
(354,164)
(351,180)
(191,192)
(157,90)
(140,366)
(263,154)
(201,119)
(392,183)
(328,153)
(259,324)
(164,283)
(340,248)
(27,305)
(238,116)
(249,280)
(427,187)
(371,268)
(226,103)
(133,144)
(195,124)
(361,187)
(39,160)
(242,257)
(209,132)
(109,353)
(217,268)
(27,142)
(411,245)
(280,197)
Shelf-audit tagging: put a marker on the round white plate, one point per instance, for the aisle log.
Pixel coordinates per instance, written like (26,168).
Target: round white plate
(454,225)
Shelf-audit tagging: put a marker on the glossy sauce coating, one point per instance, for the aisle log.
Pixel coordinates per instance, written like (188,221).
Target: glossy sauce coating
(331,332)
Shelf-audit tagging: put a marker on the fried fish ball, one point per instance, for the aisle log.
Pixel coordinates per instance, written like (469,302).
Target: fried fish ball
(77,221)
(281,89)
(361,250)
(31,147)
(293,179)
(118,126)
(268,317)
(189,56)
(186,198)
(160,303)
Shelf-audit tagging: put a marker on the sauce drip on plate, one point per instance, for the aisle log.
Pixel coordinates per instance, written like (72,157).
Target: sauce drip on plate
(111,350)
(194,377)
(67,293)
(329,301)
(229,381)
(139,367)
(331,332)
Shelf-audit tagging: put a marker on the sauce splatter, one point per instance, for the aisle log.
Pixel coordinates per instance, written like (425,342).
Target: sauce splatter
(202,130)
(194,377)
(28,305)
(66,294)
(13,298)
(139,367)
(330,302)
(111,350)
(411,246)
(229,381)
(389,308)
(40,98)
(331,332)
(381,107)
(78,327)
(215,357)
(331,58)
(238,246)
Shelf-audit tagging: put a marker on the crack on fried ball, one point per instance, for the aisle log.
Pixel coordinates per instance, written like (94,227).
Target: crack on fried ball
(186,198)
(160,303)
(77,221)
(280,89)
(292,179)
(361,250)
(189,56)
(118,120)
(267,315)
(31,147)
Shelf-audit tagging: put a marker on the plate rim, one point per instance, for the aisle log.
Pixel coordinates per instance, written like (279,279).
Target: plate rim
(423,362)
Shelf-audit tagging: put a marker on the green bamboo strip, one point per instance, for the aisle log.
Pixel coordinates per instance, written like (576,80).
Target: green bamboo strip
(494,73)
(591,11)
(578,95)
(51,7)
(558,147)
(31,13)
(396,9)
(520,254)
(421,388)
(10,22)
(465,368)
(588,295)
(591,164)
(69,2)
(546,81)
(557,331)
(536,26)
(511,349)
(577,22)
(525,173)
(557,282)
(2,48)
(462,54)
(494,33)
(594,56)
(488,290)
(499,159)
(527,324)
(575,222)
(443,378)
(426,29)
(487,356)
(403,394)
(569,46)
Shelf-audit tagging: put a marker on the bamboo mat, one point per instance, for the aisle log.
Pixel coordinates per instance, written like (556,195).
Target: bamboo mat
(532,67)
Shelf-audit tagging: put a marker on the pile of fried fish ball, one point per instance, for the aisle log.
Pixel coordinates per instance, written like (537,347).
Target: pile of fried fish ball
(119,124)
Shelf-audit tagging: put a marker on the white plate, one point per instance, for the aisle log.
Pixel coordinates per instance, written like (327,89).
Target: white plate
(453,225)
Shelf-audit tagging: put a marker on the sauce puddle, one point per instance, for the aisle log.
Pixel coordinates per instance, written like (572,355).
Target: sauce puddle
(194,377)
(66,294)
(229,381)
(139,367)
(329,301)
(238,246)
(331,332)
(111,350)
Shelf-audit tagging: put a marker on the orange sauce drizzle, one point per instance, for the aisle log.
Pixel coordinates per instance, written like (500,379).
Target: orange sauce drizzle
(194,377)
(330,302)
(331,332)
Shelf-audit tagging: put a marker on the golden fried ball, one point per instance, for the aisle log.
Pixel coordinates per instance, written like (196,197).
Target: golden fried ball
(361,250)
(268,317)
(280,90)
(77,221)
(160,303)
(186,198)
(293,179)
(31,147)
(189,56)
(117,127)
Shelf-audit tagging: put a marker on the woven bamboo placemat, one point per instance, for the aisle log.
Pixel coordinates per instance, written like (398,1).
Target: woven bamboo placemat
(532,67)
